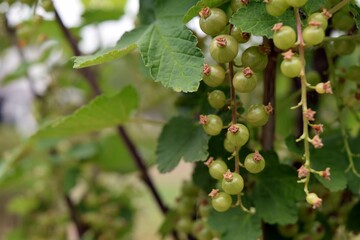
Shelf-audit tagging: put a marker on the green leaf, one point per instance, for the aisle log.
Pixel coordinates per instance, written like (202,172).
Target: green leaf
(313,6)
(146,12)
(181,138)
(70,179)
(235,224)
(124,46)
(104,111)
(170,51)
(331,155)
(167,47)
(355,10)
(173,9)
(254,19)
(277,192)
(99,15)
(113,156)
(194,10)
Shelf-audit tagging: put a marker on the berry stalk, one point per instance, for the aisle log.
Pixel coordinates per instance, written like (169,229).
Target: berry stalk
(303,102)
(338,6)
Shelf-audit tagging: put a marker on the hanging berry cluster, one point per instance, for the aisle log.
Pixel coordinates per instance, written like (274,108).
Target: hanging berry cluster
(223,49)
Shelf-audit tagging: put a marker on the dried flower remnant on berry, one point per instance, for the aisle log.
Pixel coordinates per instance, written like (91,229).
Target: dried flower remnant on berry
(209,161)
(203,119)
(213,193)
(317,142)
(327,87)
(288,54)
(205,12)
(269,108)
(303,172)
(326,173)
(248,72)
(221,41)
(257,156)
(206,69)
(326,13)
(315,23)
(318,128)
(277,27)
(314,200)
(233,129)
(309,114)
(228,176)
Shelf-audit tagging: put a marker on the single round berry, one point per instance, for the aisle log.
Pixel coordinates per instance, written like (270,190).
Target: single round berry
(296,3)
(245,81)
(184,225)
(313,199)
(254,58)
(221,202)
(212,20)
(229,146)
(353,73)
(204,209)
(291,67)
(320,18)
(313,77)
(284,37)
(189,189)
(276,7)
(232,183)
(344,47)
(316,230)
(254,162)
(257,115)
(212,124)
(319,88)
(217,169)
(313,35)
(342,21)
(213,75)
(236,4)
(223,48)
(238,134)
(240,36)
(217,99)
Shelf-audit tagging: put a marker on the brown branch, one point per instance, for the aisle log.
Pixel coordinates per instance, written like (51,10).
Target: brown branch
(268,131)
(81,228)
(89,75)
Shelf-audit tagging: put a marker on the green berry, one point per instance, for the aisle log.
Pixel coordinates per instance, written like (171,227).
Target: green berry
(238,134)
(223,48)
(213,75)
(212,20)
(217,99)
(254,162)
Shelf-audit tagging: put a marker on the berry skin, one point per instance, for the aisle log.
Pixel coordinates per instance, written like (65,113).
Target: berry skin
(296,3)
(217,169)
(342,21)
(313,77)
(224,48)
(184,225)
(276,7)
(236,4)
(254,58)
(257,115)
(221,201)
(212,124)
(238,134)
(229,146)
(245,81)
(212,20)
(344,47)
(291,67)
(320,18)
(284,37)
(313,35)
(213,76)
(240,36)
(217,99)
(232,183)
(254,163)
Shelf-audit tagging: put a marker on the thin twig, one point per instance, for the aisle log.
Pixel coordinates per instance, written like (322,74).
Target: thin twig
(89,75)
